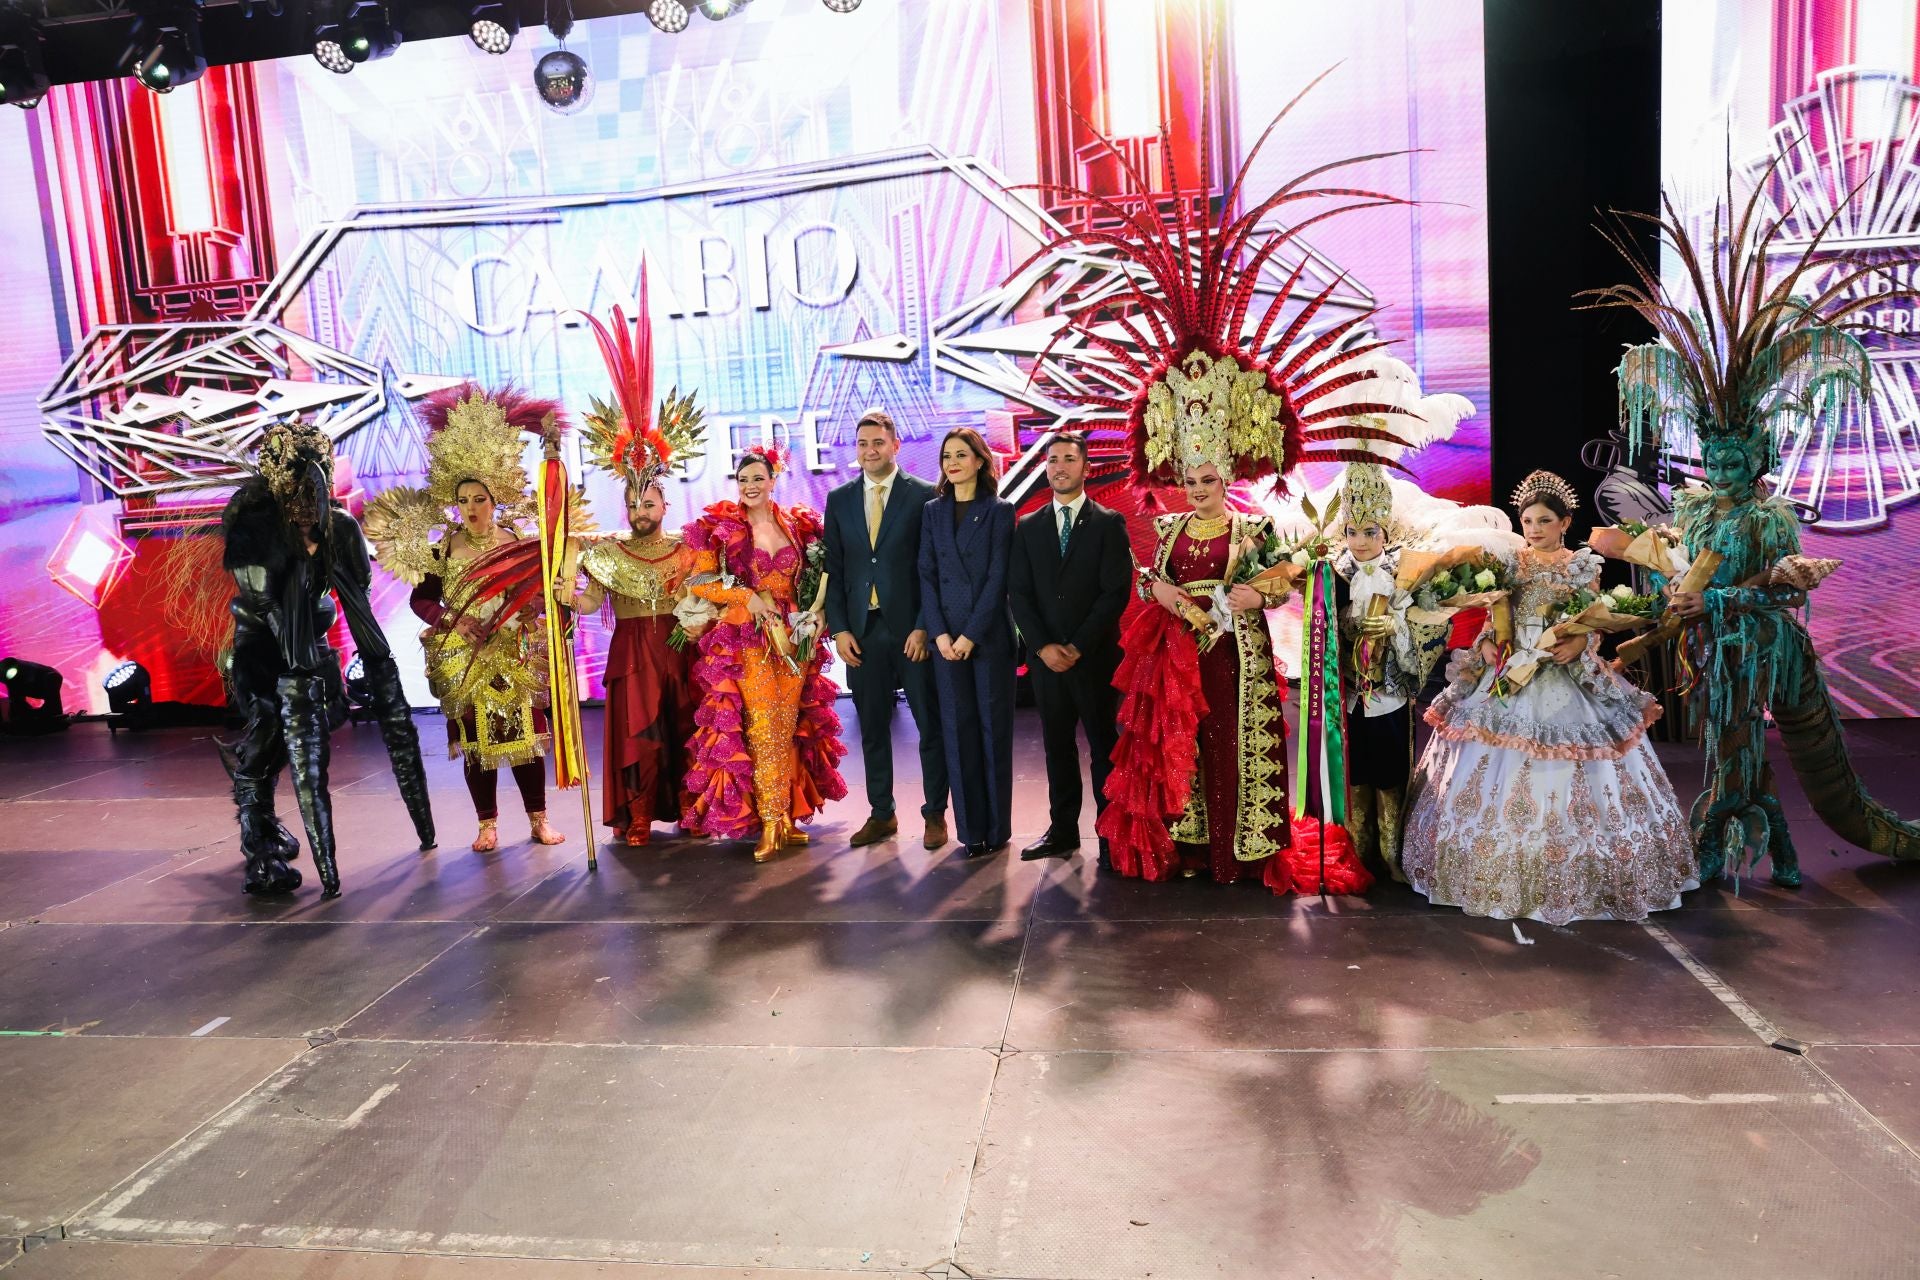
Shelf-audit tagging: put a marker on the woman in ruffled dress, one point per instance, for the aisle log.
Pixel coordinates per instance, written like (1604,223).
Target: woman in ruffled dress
(766,752)
(1546,803)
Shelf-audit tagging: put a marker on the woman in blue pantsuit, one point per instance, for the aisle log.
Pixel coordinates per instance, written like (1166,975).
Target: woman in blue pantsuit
(966,539)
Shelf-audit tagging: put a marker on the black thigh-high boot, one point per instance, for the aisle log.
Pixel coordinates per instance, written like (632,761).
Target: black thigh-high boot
(403,746)
(303,713)
(253,761)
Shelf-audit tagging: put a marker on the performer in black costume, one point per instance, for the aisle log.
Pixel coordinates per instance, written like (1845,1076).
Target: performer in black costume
(287,547)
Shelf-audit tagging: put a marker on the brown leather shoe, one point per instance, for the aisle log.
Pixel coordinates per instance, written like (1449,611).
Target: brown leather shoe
(936,836)
(876,830)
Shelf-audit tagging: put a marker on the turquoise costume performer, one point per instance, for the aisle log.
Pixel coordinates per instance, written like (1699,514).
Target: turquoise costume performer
(1741,362)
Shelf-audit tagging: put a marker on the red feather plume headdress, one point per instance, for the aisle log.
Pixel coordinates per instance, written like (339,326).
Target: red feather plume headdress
(627,436)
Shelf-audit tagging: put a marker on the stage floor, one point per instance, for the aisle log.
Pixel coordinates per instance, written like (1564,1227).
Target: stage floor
(887,1061)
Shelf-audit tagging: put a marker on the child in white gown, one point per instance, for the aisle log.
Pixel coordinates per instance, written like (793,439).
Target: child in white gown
(1548,803)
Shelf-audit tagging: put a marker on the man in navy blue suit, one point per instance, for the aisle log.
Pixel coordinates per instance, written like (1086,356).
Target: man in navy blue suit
(873,612)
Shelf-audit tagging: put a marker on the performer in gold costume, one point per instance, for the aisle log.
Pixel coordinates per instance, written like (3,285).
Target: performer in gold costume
(487,663)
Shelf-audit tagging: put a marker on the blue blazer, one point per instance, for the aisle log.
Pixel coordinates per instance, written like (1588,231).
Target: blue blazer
(963,572)
(892,566)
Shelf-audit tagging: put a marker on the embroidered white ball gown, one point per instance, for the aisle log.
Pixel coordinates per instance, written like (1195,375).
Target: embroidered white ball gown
(1548,804)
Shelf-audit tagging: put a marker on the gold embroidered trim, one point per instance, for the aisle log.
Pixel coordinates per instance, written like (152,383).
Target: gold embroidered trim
(1263,799)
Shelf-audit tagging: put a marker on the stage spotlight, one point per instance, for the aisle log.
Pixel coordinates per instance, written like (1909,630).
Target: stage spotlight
(669,15)
(23,71)
(33,698)
(166,51)
(494,27)
(359,691)
(366,34)
(717,10)
(841,6)
(129,688)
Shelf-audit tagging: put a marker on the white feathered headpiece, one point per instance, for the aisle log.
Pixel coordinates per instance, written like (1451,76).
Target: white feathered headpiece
(1371,493)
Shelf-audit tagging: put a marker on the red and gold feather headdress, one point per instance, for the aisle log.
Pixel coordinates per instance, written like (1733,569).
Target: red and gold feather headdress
(627,436)
(1168,351)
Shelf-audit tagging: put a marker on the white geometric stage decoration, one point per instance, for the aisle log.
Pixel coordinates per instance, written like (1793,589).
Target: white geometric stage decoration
(152,409)
(1849,155)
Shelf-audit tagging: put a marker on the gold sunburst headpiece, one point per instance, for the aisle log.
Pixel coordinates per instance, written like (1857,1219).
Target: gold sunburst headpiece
(474,434)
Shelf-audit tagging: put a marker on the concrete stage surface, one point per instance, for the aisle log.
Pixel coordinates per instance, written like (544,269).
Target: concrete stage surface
(894,1062)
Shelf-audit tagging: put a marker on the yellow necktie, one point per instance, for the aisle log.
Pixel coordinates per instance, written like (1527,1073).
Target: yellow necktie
(876,507)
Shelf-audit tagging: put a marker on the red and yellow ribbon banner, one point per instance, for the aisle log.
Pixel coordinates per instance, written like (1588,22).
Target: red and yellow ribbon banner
(569,742)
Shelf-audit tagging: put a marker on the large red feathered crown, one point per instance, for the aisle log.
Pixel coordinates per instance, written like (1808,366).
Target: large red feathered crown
(1168,350)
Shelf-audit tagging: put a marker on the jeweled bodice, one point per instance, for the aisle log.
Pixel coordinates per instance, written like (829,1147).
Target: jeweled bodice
(1193,560)
(1542,580)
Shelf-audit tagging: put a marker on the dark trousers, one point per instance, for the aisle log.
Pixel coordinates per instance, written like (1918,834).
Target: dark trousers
(1379,748)
(883,669)
(484,786)
(976,716)
(1077,699)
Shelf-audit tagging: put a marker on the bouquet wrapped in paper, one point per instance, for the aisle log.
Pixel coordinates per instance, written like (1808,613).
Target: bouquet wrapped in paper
(1696,578)
(794,637)
(1269,563)
(1653,547)
(1478,581)
(692,615)
(1582,613)
(1417,568)
(1609,612)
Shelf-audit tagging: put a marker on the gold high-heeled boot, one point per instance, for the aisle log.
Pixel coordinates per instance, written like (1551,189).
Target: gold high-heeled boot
(792,836)
(1393,817)
(770,840)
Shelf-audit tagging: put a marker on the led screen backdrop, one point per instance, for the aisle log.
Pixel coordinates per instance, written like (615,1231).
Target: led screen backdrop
(827,205)
(1831,84)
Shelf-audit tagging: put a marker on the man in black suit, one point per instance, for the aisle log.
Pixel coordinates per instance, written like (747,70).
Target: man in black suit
(873,611)
(1071,575)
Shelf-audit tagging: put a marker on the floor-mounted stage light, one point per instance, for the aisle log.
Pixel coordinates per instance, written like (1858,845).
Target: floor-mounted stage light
(166,51)
(493,28)
(841,6)
(32,703)
(717,10)
(669,15)
(366,33)
(359,691)
(23,71)
(129,688)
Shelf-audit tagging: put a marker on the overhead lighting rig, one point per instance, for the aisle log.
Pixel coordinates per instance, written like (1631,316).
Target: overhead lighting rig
(494,26)
(669,16)
(23,69)
(366,32)
(166,52)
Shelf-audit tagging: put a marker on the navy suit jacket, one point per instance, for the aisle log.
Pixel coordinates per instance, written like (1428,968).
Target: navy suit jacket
(892,565)
(963,572)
